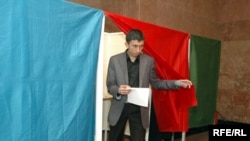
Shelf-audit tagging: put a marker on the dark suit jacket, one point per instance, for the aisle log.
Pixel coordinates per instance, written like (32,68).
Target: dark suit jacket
(118,75)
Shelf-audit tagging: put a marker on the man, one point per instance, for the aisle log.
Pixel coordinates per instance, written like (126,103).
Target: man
(129,69)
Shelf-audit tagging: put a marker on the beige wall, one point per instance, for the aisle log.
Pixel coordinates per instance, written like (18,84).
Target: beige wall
(234,85)
(225,20)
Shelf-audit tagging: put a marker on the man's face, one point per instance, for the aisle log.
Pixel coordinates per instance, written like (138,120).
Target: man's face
(135,47)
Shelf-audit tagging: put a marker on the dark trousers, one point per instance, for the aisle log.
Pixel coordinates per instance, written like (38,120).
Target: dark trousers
(154,133)
(133,114)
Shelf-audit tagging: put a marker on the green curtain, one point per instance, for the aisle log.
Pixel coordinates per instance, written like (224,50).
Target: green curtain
(204,73)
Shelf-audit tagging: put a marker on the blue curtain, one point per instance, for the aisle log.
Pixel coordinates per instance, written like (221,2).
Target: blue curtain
(48,61)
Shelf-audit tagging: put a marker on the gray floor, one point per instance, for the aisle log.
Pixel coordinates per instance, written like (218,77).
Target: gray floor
(195,137)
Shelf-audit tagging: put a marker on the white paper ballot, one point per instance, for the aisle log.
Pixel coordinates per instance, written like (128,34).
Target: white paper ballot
(139,96)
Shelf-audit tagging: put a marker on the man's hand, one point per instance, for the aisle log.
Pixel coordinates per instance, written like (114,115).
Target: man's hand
(124,89)
(184,83)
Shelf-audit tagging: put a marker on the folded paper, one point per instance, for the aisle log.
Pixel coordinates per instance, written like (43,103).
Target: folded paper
(139,96)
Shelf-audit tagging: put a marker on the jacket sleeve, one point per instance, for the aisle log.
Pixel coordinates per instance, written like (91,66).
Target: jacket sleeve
(111,81)
(158,83)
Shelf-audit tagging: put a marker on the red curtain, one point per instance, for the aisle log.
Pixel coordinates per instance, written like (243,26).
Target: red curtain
(169,48)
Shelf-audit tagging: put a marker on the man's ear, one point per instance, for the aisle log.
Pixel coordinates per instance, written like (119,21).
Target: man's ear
(126,44)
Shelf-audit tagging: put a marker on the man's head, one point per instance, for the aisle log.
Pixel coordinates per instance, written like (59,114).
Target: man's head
(134,42)
(134,34)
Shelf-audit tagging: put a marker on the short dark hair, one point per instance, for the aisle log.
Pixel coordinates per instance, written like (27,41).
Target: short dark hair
(134,34)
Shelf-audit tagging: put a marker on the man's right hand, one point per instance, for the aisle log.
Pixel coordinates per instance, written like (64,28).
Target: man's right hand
(124,89)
